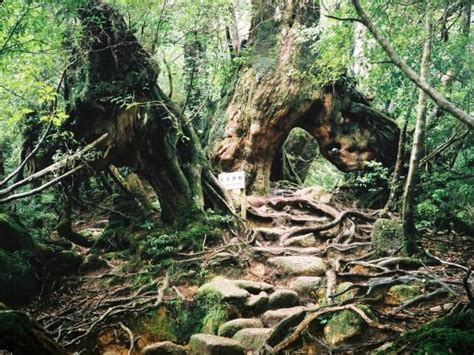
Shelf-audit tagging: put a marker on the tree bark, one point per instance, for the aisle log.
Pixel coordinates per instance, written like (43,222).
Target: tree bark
(112,88)
(271,98)
(439,99)
(410,234)
(397,171)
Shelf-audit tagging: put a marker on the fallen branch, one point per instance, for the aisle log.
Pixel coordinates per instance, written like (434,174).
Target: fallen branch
(42,187)
(28,157)
(53,167)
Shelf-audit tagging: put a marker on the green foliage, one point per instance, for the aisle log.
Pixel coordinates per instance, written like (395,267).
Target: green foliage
(165,243)
(205,315)
(453,334)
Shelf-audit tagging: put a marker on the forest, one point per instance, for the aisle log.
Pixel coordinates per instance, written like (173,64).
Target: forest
(231,177)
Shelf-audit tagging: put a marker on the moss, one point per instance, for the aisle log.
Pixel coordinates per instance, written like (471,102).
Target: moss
(161,325)
(13,236)
(344,325)
(17,279)
(205,314)
(401,293)
(453,334)
(387,236)
(347,295)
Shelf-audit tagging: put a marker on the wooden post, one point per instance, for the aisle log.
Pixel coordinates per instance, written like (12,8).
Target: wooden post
(243,204)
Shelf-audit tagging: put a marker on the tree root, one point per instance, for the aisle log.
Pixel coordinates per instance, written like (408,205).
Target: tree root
(295,335)
(422,298)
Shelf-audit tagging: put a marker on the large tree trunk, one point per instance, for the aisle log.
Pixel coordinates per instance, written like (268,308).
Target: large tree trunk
(410,233)
(112,88)
(270,99)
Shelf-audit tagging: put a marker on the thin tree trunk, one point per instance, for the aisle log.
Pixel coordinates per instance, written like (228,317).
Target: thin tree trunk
(399,164)
(439,99)
(410,233)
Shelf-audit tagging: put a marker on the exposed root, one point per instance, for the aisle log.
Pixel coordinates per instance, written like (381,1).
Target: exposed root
(295,335)
(440,292)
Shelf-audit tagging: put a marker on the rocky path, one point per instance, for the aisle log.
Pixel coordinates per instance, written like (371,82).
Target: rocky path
(313,284)
(312,276)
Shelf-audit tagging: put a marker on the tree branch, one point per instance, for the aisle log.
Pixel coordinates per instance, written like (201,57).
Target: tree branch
(439,99)
(53,167)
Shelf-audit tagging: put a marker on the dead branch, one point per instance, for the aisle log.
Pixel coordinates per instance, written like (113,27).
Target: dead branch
(42,187)
(28,157)
(53,167)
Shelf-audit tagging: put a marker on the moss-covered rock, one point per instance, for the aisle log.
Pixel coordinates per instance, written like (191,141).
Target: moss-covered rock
(401,293)
(224,289)
(20,335)
(161,325)
(453,334)
(163,348)
(252,339)
(387,236)
(91,263)
(13,236)
(205,344)
(17,279)
(346,295)
(231,327)
(344,326)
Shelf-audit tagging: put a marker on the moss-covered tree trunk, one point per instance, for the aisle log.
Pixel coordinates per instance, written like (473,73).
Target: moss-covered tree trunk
(271,98)
(112,88)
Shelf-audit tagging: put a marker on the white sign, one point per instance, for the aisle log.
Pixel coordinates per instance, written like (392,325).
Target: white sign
(232,181)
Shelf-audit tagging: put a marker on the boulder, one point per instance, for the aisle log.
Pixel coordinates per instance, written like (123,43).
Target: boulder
(17,279)
(224,289)
(398,294)
(205,344)
(252,339)
(305,284)
(342,327)
(92,263)
(304,241)
(254,286)
(19,334)
(13,236)
(283,299)
(257,303)
(231,327)
(299,265)
(387,236)
(316,193)
(163,348)
(273,317)
(346,295)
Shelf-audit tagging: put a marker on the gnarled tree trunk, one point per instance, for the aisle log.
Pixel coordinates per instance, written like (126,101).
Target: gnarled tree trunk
(112,88)
(270,99)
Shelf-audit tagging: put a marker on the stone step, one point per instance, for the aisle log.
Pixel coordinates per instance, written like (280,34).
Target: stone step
(231,327)
(206,344)
(299,265)
(252,339)
(273,317)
